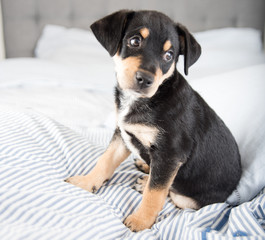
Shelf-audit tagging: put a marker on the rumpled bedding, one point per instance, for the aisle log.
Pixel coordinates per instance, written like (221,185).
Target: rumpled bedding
(37,154)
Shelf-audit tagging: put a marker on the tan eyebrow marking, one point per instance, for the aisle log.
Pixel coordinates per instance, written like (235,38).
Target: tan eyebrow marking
(144,32)
(167,45)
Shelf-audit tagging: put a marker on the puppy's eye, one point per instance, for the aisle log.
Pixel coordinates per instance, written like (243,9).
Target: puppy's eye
(135,41)
(168,56)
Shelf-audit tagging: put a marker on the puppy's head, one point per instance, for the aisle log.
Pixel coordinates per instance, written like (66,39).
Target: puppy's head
(145,46)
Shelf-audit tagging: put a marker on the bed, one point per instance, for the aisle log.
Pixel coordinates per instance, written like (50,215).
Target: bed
(57,117)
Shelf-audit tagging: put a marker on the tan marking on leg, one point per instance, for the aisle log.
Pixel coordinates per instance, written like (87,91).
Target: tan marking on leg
(183,202)
(152,203)
(126,69)
(142,165)
(105,167)
(167,45)
(144,32)
(145,134)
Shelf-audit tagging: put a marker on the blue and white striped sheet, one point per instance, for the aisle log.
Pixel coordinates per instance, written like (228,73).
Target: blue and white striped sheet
(37,154)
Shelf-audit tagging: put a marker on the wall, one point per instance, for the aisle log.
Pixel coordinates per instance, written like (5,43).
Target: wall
(2,49)
(24,19)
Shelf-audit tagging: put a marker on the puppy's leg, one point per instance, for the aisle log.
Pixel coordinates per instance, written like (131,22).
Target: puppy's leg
(154,197)
(105,167)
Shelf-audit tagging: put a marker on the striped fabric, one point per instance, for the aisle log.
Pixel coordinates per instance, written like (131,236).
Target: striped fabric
(37,154)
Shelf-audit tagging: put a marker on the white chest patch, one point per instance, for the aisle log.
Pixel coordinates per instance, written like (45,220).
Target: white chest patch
(126,104)
(145,134)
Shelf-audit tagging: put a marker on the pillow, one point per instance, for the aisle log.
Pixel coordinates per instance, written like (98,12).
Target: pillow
(238,98)
(80,51)
(222,49)
(70,45)
(226,49)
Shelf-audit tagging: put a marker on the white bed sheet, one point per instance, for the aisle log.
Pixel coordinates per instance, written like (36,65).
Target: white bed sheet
(70,95)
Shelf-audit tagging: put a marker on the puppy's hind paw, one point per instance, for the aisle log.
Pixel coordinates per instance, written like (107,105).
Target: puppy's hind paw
(142,165)
(140,184)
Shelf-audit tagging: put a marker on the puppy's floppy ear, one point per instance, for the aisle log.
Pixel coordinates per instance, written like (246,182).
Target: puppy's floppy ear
(189,47)
(109,30)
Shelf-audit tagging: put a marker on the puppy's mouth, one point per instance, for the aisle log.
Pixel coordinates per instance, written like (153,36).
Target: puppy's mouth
(138,93)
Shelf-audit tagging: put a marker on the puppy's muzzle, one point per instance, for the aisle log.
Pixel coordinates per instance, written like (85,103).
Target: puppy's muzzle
(144,80)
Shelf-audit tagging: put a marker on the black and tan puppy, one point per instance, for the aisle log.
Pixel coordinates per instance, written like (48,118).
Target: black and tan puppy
(191,154)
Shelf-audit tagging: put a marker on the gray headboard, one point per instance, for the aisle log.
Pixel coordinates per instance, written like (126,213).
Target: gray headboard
(24,20)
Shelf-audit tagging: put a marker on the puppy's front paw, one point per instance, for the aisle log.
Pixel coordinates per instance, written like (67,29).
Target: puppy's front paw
(136,222)
(85,182)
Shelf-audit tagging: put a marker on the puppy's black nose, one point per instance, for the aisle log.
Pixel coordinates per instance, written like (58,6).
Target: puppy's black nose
(143,79)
